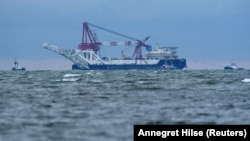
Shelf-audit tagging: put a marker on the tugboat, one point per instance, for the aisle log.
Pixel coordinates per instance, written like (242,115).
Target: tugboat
(17,67)
(233,66)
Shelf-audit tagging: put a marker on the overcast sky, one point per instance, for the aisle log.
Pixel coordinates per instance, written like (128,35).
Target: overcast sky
(204,30)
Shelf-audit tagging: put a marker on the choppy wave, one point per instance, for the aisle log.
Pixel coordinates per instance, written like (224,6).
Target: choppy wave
(70,79)
(96,81)
(246,80)
(72,75)
(104,105)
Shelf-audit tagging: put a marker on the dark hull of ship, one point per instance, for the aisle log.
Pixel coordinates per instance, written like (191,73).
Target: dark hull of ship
(176,63)
(18,69)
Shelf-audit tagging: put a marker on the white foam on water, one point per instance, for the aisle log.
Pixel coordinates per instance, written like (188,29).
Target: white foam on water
(155,71)
(56,80)
(71,75)
(140,82)
(90,73)
(246,80)
(70,79)
(97,81)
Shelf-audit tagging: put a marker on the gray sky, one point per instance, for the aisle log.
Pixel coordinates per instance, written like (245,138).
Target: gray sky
(204,30)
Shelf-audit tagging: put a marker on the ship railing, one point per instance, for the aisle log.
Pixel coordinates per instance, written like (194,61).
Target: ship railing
(72,55)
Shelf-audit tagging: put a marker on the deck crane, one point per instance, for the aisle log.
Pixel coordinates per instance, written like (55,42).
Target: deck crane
(89,41)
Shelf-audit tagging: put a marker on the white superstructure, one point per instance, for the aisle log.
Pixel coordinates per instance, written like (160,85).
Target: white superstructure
(86,57)
(162,53)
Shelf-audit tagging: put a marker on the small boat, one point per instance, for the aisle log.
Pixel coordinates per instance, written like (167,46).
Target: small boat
(17,67)
(233,66)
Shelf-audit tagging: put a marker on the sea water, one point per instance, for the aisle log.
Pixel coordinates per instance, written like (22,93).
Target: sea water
(104,105)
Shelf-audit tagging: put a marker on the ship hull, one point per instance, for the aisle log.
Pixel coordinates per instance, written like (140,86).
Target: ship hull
(231,68)
(18,69)
(176,63)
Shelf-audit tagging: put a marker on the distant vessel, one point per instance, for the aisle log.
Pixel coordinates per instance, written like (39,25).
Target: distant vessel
(233,66)
(17,67)
(87,56)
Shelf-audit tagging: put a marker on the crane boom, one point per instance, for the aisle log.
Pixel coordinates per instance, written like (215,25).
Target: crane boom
(122,35)
(89,41)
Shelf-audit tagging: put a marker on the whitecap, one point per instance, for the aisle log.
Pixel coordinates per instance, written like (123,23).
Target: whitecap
(89,73)
(70,79)
(71,75)
(56,80)
(140,82)
(97,81)
(246,80)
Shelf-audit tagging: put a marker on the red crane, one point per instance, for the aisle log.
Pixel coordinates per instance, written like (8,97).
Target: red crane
(89,41)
